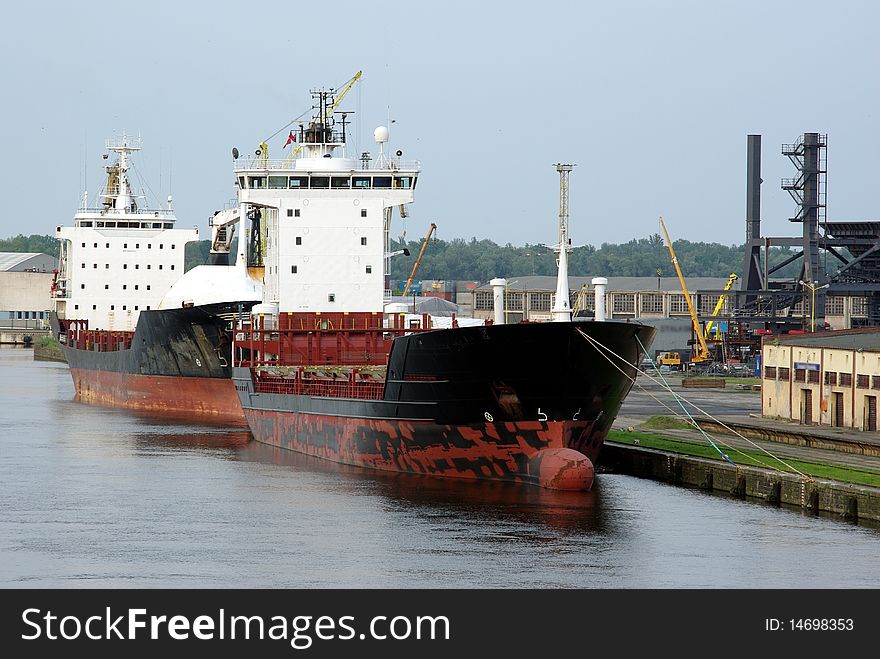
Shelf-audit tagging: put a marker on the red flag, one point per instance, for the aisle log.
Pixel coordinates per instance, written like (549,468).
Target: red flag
(290,138)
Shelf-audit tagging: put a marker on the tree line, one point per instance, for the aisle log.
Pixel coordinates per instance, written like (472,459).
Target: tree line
(481,260)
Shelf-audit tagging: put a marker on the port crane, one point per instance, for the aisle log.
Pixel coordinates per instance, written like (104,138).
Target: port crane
(720,304)
(701,351)
(418,259)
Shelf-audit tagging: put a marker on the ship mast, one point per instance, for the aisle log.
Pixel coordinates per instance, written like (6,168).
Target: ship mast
(121,196)
(562,305)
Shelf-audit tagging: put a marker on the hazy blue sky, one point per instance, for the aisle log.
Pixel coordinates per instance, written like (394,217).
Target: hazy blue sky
(651,100)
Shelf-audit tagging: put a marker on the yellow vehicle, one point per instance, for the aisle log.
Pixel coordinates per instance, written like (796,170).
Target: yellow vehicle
(672,359)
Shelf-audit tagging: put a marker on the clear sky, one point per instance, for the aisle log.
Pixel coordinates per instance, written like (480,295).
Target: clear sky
(651,100)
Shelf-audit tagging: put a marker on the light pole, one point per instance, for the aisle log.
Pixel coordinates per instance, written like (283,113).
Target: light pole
(813,288)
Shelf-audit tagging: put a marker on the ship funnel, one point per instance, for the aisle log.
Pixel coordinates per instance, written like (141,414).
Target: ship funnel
(599,283)
(498,285)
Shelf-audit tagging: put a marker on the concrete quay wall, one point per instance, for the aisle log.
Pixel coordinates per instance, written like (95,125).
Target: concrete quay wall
(849,501)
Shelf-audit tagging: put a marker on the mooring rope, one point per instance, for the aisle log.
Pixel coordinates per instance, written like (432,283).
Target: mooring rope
(602,349)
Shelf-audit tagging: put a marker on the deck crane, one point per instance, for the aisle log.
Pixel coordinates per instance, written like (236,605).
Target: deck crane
(701,353)
(418,259)
(720,303)
(223,225)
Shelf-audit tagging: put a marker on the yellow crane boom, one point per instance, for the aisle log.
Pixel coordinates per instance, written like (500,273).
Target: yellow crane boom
(720,304)
(418,259)
(702,354)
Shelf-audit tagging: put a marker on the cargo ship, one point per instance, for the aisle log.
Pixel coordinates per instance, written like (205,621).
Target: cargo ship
(324,369)
(138,332)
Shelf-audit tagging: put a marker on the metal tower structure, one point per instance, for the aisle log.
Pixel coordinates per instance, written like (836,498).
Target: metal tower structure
(562,305)
(851,274)
(808,190)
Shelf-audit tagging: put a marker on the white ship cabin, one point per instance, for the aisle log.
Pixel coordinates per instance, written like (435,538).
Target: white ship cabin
(320,219)
(118,259)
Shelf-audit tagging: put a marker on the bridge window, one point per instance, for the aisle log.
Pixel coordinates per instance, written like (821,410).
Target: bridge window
(320,182)
(402,182)
(340,182)
(277,182)
(257,182)
(299,181)
(360,181)
(381,181)
(85,224)
(169,225)
(241,182)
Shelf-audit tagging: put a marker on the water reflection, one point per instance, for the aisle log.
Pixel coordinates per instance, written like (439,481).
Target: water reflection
(477,502)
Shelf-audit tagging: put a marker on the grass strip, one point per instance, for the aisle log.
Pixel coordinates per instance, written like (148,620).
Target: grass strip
(746,457)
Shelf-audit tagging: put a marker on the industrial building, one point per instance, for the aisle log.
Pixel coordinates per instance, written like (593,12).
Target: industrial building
(655,301)
(25,282)
(823,378)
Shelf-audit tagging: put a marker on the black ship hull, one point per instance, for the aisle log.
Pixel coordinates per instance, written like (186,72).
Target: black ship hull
(531,402)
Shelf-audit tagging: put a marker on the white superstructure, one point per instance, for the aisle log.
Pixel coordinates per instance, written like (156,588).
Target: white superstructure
(118,259)
(320,219)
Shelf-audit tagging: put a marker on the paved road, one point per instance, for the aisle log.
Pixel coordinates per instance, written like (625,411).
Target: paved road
(648,398)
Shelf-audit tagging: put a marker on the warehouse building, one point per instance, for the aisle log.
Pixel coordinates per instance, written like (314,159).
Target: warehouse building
(25,283)
(826,378)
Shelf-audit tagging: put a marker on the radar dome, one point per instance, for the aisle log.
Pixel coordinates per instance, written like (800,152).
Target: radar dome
(381,134)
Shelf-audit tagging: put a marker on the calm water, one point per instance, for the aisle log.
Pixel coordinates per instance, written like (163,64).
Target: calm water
(98,497)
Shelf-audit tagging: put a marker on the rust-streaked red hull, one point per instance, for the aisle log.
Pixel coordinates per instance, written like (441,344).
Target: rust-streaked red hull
(527,403)
(202,399)
(533,452)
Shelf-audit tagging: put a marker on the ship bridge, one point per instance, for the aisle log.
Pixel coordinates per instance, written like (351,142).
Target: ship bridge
(320,219)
